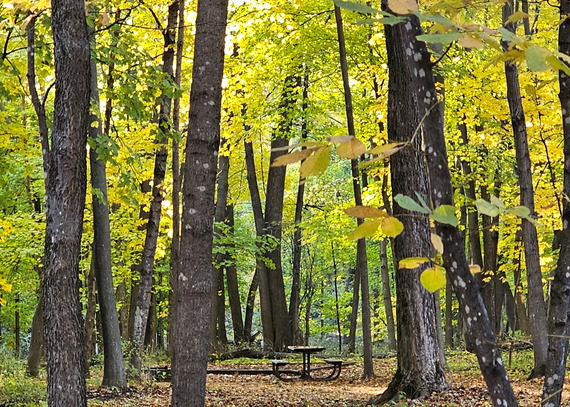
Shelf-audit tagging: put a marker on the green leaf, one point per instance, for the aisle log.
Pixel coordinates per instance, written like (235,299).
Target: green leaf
(537,58)
(412,262)
(391,226)
(486,208)
(520,211)
(366,229)
(433,278)
(509,36)
(436,18)
(445,214)
(365,212)
(359,8)
(497,202)
(408,203)
(558,64)
(422,202)
(389,19)
(440,38)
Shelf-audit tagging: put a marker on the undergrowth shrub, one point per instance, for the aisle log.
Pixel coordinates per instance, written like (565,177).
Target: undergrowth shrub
(16,388)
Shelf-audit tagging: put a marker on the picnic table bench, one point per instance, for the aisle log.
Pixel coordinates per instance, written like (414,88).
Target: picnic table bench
(335,366)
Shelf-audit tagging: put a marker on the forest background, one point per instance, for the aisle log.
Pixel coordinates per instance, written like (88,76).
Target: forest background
(282,84)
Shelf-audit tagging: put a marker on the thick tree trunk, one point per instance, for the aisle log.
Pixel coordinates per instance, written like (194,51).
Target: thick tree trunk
(194,283)
(153,224)
(410,60)
(558,326)
(361,258)
(415,308)
(114,367)
(536,305)
(355,301)
(65,184)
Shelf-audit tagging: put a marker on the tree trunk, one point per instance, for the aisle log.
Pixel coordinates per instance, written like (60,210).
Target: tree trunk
(260,278)
(193,304)
(114,367)
(415,307)
(361,258)
(354,311)
(36,342)
(448,340)
(558,326)
(409,60)
(90,313)
(217,324)
(294,300)
(65,188)
(153,224)
(249,307)
(387,295)
(233,286)
(536,305)
(274,216)
(175,250)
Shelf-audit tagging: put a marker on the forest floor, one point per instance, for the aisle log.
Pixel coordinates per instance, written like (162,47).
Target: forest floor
(467,387)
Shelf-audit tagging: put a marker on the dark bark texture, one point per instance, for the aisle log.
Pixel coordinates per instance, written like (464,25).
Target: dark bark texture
(558,323)
(414,60)
(191,332)
(415,307)
(66,180)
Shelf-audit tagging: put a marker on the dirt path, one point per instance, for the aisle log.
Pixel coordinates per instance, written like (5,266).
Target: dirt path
(468,389)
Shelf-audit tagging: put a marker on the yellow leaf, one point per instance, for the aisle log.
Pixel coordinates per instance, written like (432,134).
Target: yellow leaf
(2,301)
(519,15)
(467,41)
(367,229)
(391,226)
(365,212)
(412,262)
(317,163)
(385,147)
(474,268)
(433,278)
(5,286)
(293,157)
(437,243)
(351,149)
(403,6)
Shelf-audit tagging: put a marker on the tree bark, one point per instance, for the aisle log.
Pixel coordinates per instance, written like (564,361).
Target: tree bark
(36,342)
(194,283)
(217,324)
(153,224)
(536,305)
(415,307)
(114,367)
(233,286)
(175,250)
(558,326)
(412,58)
(65,188)
(90,313)
(361,258)
(387,294)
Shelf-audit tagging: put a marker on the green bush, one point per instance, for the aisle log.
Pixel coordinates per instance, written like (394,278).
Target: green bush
(17,389)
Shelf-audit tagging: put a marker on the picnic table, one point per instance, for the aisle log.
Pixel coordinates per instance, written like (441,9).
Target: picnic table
(305,373)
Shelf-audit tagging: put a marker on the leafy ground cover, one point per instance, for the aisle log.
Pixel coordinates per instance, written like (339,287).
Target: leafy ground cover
(467,387)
